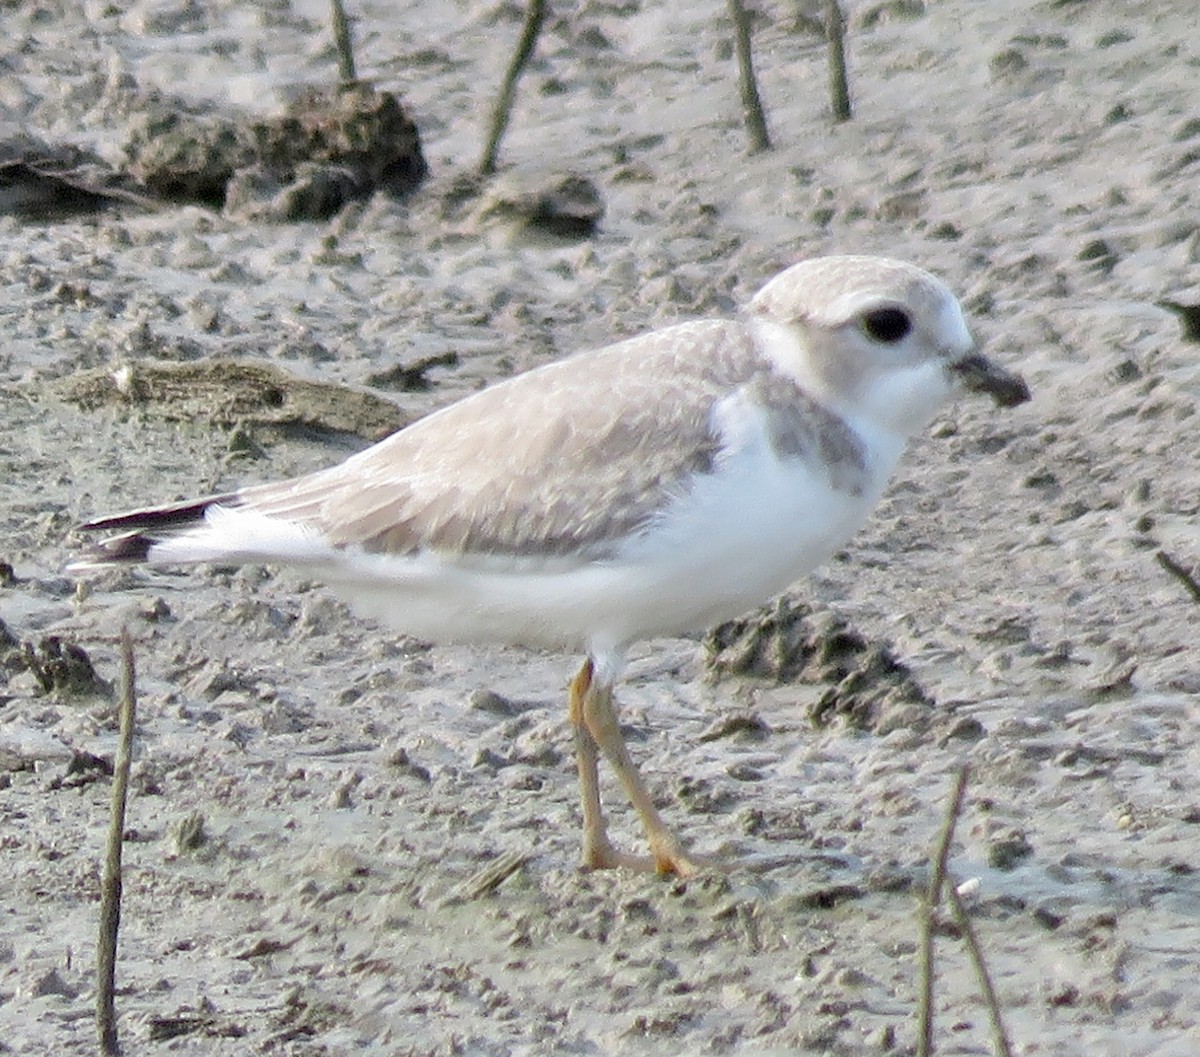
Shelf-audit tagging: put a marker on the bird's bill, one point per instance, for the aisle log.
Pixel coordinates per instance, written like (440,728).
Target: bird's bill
(978,374)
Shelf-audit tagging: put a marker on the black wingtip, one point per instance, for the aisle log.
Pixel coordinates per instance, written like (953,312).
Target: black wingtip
(131,548)
(135,532)
(158,518)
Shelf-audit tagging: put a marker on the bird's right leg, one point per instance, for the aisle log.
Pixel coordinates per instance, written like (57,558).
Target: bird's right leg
(598,852)
(596,731)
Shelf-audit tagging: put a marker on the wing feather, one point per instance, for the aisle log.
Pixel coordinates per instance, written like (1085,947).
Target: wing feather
(567,459)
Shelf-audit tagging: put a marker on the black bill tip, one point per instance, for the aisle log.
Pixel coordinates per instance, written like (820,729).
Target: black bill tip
(980,375)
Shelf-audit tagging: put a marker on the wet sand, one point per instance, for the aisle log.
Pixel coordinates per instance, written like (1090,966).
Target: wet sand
(1043,158)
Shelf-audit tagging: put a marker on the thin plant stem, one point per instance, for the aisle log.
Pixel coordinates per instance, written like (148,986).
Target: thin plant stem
(999,1035)
(839,85)
(933,894)
(341,40)
(535,15)
(752,108)
(110,885)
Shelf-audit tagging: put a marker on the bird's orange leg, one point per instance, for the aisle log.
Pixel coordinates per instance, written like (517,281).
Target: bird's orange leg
(598,852)
(595,720)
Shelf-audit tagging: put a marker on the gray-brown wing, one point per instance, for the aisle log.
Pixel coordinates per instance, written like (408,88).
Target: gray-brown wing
(564,460)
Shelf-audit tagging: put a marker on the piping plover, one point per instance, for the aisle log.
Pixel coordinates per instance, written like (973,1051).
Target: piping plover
(653,487)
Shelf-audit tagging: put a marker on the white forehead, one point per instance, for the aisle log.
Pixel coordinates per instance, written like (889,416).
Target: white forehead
(830,291)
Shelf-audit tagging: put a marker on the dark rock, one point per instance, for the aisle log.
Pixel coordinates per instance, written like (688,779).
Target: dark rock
(330,148)
(790,642)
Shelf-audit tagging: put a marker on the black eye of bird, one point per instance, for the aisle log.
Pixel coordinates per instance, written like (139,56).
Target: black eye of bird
(888,325)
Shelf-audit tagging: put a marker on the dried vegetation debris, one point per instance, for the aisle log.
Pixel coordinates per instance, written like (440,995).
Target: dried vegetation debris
(236,393)
(44,181)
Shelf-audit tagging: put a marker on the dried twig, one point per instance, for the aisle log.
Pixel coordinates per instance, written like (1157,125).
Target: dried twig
(1180,573)
(110,885)
(485,881)
(341,40)
(839,86)
(933,894)
(941,881)
(752,108)
(535,14)
(999,1035)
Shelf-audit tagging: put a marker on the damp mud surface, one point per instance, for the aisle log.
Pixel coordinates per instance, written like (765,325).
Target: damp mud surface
(340,841)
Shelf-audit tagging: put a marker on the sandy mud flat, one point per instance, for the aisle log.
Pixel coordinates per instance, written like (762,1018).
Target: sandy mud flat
(314,799)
